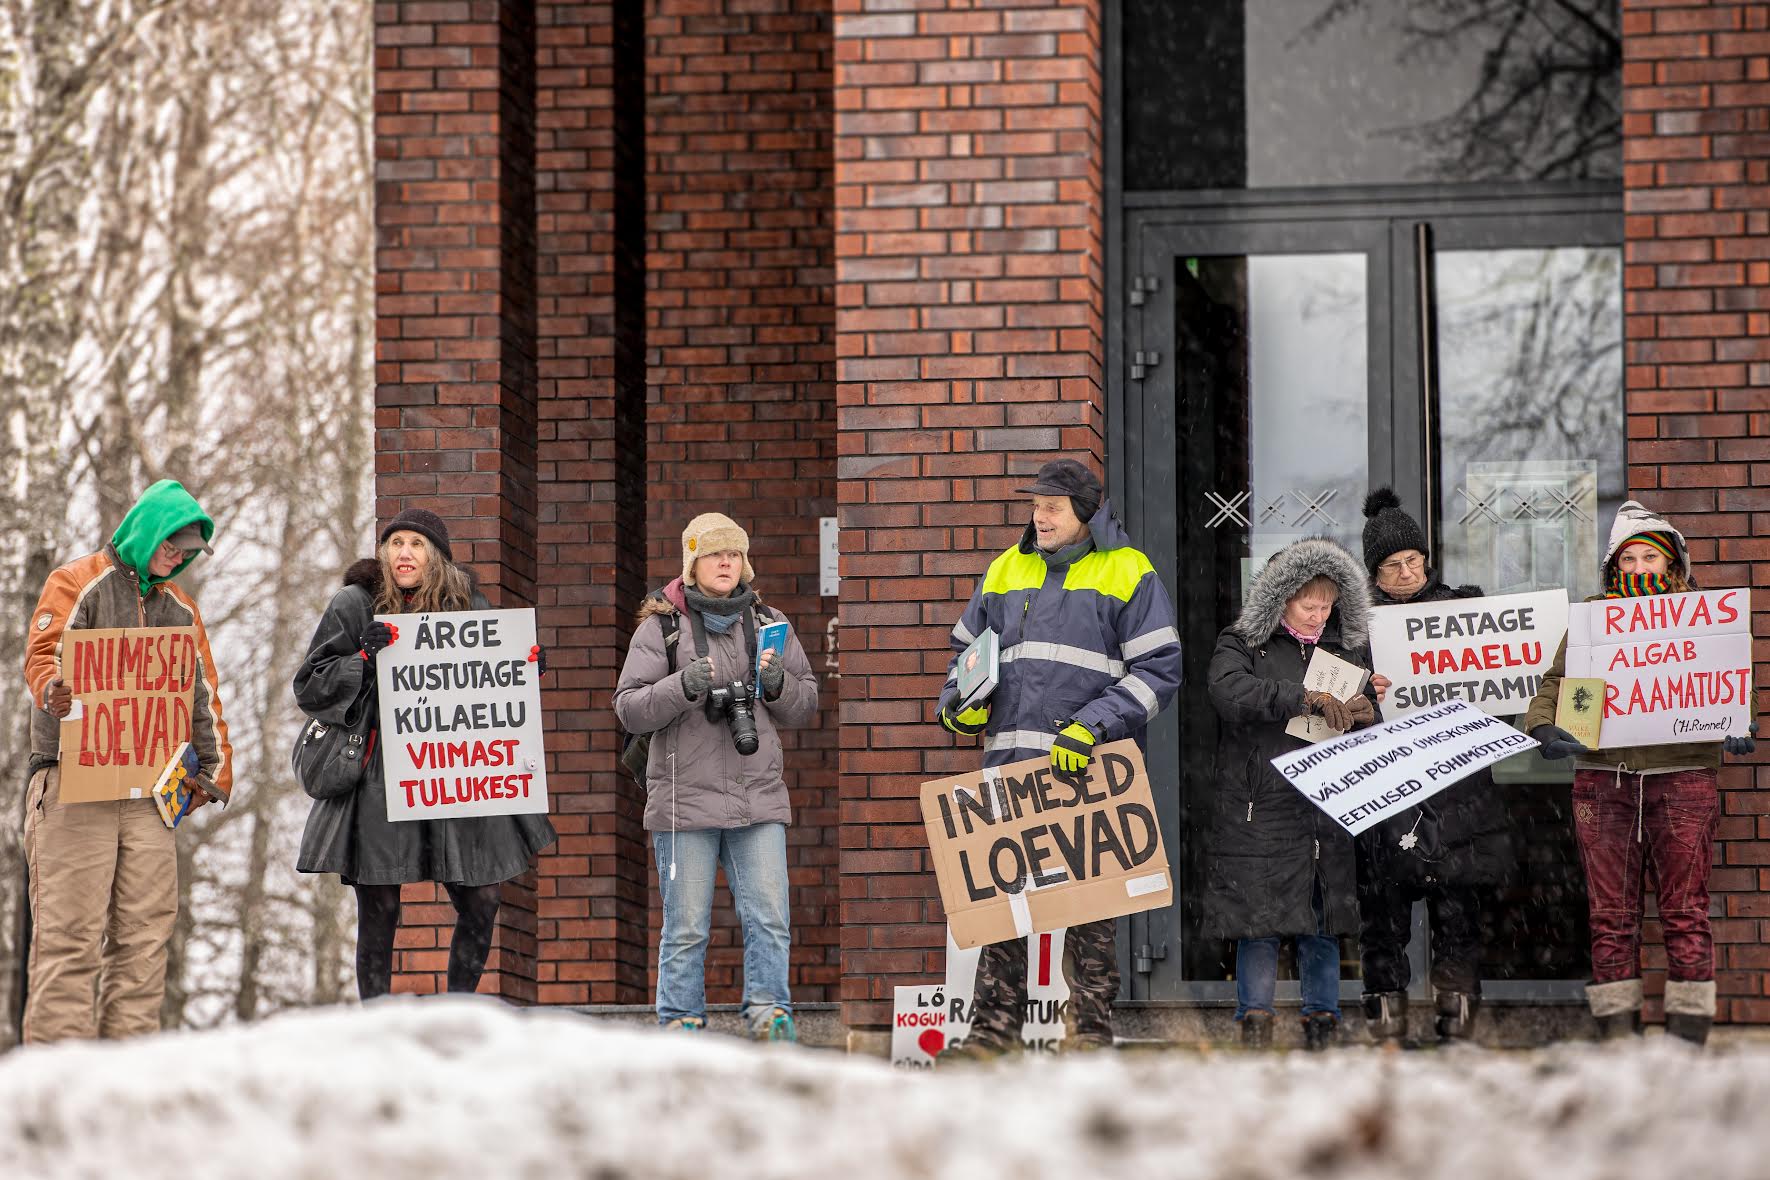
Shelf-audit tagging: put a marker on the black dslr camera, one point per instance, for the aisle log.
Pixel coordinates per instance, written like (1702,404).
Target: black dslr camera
(732,702)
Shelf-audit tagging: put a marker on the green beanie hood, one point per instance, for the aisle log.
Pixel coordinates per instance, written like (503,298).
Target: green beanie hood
(162,510)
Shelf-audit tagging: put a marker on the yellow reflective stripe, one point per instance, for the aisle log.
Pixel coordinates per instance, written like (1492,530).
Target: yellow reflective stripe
(1115,573)
(1013,571)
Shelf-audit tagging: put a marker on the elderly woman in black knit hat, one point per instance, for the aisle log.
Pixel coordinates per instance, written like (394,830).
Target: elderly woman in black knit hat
(414,571)
(1446,852)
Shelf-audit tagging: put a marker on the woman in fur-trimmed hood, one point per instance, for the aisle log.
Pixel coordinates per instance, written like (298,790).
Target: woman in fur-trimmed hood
(1278,867)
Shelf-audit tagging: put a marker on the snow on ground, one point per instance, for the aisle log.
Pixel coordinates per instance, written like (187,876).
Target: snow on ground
(441,1088)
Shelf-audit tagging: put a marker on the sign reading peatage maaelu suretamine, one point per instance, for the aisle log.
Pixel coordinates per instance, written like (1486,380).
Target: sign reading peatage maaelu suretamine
(1370,774)
(461,716)
(1491,652)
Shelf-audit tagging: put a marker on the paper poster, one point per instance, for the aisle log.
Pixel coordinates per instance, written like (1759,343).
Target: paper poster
(1491,652)
(461,716)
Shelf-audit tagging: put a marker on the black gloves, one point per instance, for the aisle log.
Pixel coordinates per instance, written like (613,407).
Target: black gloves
(1557,742)
(538,657)
(1741,745)
(378,636)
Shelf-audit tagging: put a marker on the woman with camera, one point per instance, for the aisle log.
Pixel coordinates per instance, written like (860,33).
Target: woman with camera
(715,796)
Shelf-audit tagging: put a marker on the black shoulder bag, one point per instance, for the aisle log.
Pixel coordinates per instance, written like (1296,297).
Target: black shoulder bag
(330,759)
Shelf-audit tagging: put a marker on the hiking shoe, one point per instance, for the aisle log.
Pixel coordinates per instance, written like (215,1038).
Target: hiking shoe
(686,1024)
(972,1049)
(777,1026)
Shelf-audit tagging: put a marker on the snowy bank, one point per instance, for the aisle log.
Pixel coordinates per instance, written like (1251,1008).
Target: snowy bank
(440,1088)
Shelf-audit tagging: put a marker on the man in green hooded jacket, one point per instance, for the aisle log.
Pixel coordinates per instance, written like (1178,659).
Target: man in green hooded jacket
(104,876)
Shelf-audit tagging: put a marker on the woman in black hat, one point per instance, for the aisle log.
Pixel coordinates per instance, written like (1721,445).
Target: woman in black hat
(413,570)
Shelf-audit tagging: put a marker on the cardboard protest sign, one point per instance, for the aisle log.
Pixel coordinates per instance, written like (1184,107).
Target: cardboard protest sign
(1676,667)
(461,716)
(1491,652)
(929,1018)
(1026,848)
(1370,774)
(133,691)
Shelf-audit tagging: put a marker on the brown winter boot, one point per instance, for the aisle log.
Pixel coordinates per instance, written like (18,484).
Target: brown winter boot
(1256,1030)
(1690,1009)
(1616,1007)
(1385,1017)
(1456,1015)
(1321,1030)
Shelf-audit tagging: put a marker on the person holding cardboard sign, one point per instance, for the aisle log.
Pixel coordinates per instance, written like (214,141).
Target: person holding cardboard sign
(701,681)
(1641,807)
(413,571)
(104,873)
(1088,654)
(1278,867)
(1444,852)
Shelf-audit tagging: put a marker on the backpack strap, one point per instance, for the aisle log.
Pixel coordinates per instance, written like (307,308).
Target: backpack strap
(671,623)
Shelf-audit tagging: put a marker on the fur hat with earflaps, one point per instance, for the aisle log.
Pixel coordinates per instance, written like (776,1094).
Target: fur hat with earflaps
(714,532)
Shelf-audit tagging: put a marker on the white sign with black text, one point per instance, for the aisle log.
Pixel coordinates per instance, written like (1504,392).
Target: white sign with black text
(1491,652)
(461,716)
(929,1017)
(1367,775)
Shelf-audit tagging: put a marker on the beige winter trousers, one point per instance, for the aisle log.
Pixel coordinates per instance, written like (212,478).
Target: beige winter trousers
(104,894)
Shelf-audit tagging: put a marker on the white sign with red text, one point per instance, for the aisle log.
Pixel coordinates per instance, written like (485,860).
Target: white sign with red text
(1676,667)
(461,716)
(928,1018)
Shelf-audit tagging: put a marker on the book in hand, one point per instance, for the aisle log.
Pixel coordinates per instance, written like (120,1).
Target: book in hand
(1580,709)
(1338,678)
(979,665)
(772,637)
(172,791)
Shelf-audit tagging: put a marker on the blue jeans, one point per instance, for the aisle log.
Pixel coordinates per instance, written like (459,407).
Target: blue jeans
(755,863)
(1256,973)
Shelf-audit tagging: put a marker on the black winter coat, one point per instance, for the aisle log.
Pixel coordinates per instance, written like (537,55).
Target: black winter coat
(1269,844)
(351,835)
(1461,834)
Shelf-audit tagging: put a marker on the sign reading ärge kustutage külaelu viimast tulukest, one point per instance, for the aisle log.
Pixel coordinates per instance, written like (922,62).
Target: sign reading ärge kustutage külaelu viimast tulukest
(461,716)
(1676,667)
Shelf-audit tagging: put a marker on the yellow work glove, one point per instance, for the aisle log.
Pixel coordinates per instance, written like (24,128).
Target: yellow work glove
(1074,748)
(970,723)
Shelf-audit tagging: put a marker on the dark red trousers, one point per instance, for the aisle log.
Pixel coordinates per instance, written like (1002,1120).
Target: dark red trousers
(1625,825)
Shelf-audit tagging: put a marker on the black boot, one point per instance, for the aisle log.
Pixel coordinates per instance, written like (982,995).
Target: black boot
(1687,1026)
(1320,1031)
(1385,1017)
(1256,1030)
(1620,1026)
(1456,1015)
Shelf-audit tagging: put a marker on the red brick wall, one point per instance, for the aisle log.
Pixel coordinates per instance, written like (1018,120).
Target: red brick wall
(1697,177)
(591,540)
(969,293)
(455,369)
(741,367)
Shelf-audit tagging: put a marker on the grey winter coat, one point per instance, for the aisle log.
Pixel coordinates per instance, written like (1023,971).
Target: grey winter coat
(350,834)
(1270,848)
(709,784)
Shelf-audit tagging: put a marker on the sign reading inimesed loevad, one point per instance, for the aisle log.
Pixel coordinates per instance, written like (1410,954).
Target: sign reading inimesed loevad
(1491,652)
(461,716)
(1370,774)
(134,689)
(1025,848)
(1676,667)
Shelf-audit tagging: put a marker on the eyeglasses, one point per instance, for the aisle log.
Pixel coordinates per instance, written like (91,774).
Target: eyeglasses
(168,549)
(1412,565)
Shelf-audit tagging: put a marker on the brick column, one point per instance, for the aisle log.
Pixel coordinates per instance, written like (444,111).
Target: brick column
(1696,97)
(455,370)
(969,271)
(741,367)
(590,202)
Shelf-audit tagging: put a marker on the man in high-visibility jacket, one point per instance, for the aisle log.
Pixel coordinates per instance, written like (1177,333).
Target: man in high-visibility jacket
(1088,655)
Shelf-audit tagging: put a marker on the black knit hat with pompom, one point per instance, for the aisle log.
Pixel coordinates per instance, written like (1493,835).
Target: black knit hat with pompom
(1387,529)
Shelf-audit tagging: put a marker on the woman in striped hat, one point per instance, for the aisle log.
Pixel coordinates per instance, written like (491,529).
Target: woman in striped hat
(1643,806)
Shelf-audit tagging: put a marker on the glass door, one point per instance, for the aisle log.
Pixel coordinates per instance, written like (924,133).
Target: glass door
(1288,364)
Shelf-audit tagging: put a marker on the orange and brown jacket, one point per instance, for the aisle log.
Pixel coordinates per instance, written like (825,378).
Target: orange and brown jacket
(99,590)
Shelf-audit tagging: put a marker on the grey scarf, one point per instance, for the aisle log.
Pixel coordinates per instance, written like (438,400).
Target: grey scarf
(720,614)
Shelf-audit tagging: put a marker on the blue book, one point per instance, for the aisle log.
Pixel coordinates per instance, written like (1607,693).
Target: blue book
(772,638)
